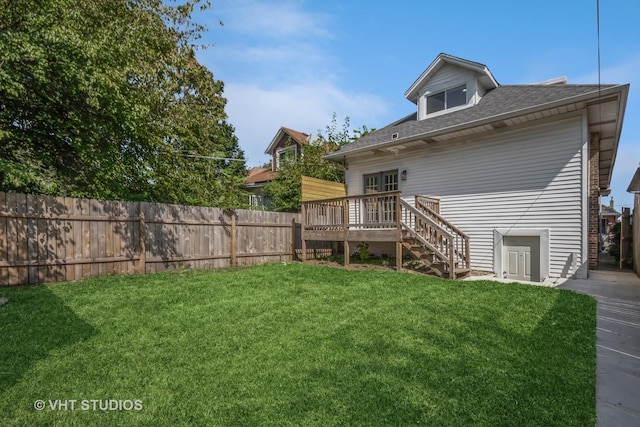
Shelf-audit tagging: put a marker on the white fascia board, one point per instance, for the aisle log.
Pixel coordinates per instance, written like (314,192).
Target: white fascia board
(274,141)
(595,95)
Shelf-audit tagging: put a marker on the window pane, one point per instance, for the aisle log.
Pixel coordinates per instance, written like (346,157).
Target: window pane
(390,181)
(457,96)
(435,102)
(371,183)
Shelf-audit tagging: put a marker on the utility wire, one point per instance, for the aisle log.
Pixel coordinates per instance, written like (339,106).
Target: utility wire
(598,30)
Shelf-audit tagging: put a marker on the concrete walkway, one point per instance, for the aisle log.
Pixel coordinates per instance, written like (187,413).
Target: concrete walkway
(618,343)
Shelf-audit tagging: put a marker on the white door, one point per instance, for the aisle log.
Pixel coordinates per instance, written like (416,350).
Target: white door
(522,258)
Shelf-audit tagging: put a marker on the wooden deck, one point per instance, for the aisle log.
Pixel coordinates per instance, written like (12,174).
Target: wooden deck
(386,217)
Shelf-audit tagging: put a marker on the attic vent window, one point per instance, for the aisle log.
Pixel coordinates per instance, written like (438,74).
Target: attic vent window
(394,136)
(449,98)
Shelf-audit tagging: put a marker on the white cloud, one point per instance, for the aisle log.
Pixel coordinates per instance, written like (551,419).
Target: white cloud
(625,71)
(277,20)
(257,113)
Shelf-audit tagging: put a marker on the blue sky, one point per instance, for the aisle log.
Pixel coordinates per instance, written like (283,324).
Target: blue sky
(294,63)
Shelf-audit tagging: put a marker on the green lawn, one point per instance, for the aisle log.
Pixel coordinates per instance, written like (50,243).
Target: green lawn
(297,345)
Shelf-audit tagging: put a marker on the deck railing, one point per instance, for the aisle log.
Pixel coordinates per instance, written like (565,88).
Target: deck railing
(367,211)
(421,223)
(459,238)
(432,203)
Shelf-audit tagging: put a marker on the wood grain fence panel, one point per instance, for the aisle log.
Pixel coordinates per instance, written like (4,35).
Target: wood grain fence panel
(68,226)
(152,229)
(12,240)
(4,271)
(97,237)
(128,242)
(109,208)
(32,236)
(56,230)
(76,210)
(42,239)
(45,239)
(22,243)
(85,210)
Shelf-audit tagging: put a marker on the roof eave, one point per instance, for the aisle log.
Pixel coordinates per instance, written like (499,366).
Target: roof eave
(274,141)
(480,122)
(634,185)
(624,94)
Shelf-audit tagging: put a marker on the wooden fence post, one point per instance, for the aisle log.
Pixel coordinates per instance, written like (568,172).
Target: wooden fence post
(398,209)
(142,250)
(625,237)
(303,220)
(345,229)
(293,238)
(234,260)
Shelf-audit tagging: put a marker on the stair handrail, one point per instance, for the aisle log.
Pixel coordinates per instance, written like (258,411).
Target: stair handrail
(450,260)
(440,218)
(465,254)
(425,218)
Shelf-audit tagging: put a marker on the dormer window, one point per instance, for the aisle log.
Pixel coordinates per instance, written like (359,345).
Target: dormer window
(286,154)
(446,99)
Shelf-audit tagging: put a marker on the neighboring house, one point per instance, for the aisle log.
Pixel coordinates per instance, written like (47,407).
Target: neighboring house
(634,187)
(254,182)
(608,218)
(286,144)
(514,173)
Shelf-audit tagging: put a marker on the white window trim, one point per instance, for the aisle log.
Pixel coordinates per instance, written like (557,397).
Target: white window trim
(293,147)
(498,248)
(446,109)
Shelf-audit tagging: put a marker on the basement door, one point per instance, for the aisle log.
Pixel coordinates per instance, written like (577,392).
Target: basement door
(522,258)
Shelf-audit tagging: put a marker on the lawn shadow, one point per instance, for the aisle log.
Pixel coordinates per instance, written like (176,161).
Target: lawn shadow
(34,323)
(475,372)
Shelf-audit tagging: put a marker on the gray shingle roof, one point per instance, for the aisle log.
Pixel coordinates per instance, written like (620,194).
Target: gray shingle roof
(500,101)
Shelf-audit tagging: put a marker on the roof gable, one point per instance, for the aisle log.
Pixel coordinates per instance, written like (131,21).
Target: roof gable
(286,133)
(484,75)
(258,175)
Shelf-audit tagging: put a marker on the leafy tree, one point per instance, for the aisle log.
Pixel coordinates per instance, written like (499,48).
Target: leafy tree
(285,190)
(106,99)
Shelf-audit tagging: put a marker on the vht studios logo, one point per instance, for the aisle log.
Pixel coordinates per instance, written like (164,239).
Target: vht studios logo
(88,405)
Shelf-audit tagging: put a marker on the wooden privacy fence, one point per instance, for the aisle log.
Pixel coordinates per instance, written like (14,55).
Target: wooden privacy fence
(49,239)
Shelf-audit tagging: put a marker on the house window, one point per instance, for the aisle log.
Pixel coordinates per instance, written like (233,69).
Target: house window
(449,98)
(381,181)
(380,210)
(287,154)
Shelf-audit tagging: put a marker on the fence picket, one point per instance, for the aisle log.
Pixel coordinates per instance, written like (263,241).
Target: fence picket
(47,239)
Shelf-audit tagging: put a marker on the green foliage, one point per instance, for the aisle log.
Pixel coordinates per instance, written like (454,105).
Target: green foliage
(105,99)
(363,251)
(285,190)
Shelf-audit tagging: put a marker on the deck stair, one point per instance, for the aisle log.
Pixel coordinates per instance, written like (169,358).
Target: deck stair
(438,244)
(416,228)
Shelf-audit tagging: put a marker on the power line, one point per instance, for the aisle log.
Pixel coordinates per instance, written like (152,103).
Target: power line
(598,31)
(199,156)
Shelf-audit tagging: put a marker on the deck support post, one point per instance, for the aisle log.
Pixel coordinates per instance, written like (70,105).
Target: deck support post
(398,256)
(346,252)
(303,226)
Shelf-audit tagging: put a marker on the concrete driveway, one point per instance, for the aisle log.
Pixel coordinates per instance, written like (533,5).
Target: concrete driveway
(618,344)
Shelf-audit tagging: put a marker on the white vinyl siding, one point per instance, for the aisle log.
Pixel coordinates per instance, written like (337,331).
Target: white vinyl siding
(530,178)
(447,78)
